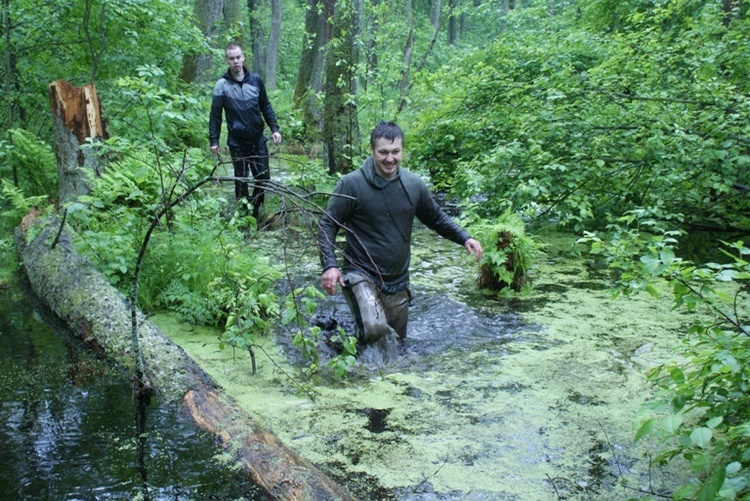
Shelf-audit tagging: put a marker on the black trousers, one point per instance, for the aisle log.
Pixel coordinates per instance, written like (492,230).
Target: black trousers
(251,160)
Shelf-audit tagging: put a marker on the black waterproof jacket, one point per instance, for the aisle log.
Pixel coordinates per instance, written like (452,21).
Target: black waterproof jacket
(377,215)
(245,105)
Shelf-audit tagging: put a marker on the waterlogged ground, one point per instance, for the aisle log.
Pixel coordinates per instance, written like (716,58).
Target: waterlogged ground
(525,398)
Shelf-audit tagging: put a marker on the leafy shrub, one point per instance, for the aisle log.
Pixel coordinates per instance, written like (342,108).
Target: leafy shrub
(34,162)
(508,252)
(578,124)
(701,410)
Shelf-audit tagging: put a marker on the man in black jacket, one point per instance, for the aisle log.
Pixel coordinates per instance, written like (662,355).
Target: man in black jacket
(242,96)
(376,206)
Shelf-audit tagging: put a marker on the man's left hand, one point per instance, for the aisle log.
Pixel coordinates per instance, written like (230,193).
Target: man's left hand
(276,136)
(474,248)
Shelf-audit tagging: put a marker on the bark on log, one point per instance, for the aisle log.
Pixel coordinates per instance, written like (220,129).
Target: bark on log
(76,118)
(100,315)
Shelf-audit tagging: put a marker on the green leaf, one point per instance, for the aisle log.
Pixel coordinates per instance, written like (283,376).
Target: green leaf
(652,291)
(686,491)
(733,468)
(713,486)
(702,462)
(714,422)
(645,429)
(671,424)
(701,437)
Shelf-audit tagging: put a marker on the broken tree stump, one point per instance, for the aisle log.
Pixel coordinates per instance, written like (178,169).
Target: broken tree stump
(76,120)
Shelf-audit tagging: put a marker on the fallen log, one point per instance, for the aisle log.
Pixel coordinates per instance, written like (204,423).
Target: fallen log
(100,316)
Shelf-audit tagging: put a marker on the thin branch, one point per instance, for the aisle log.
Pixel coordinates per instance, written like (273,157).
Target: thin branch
(60,229)
(427,52)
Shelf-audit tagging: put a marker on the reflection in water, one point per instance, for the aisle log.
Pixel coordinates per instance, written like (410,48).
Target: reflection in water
(68,427)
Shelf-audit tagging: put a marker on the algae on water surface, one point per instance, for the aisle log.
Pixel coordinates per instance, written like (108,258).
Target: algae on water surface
(486,402)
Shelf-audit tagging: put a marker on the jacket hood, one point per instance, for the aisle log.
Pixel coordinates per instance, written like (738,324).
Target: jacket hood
(379,182)
(375,179)
(228,75)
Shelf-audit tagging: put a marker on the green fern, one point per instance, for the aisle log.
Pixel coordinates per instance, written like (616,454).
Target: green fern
(508,252)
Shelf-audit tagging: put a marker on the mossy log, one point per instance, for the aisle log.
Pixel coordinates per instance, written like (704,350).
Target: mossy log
(100,315)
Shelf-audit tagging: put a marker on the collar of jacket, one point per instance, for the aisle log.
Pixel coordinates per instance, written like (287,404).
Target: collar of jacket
(375,179)
(379,182)
(228,75)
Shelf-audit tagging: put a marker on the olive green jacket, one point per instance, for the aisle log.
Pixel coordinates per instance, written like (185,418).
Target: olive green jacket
(377,215)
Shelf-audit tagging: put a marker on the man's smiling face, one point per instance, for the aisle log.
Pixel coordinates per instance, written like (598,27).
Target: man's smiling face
(386,155)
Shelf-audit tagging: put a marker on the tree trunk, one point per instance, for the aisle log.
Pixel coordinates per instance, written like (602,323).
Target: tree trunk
(195,67)
(435,13)
(505,7)
(408,47)
(453,21)
(341,139)
(272,53)
(232,12)
(452,30)
(76,118)
(9,81)
(406,61)
(99,315)
(371,49)
(312,63)
(257,37)
(732,10)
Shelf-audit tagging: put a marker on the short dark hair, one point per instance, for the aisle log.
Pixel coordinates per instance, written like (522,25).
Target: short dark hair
(232,46)
(387,130)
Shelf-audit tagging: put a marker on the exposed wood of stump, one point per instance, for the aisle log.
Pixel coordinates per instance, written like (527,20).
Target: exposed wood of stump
(100,315)
(76,119)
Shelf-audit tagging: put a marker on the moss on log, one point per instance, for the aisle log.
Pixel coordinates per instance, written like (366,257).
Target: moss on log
(100,315)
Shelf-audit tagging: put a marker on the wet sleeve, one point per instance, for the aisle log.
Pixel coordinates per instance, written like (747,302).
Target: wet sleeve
(335,216)
(435,218)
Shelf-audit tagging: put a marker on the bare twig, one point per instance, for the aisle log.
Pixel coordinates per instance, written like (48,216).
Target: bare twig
(60,229)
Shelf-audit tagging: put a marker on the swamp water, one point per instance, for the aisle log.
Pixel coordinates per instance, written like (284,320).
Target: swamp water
(68,427)
(523,398)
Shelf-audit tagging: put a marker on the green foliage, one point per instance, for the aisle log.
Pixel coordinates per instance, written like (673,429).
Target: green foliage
(573,124)
(33,160)
(157,115)
(299,305)
(701,410)
(308,347)
(345,361)
(89,41)
(508,252)
(14,204)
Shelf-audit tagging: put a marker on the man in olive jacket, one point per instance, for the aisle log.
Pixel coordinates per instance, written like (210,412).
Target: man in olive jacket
(376,206)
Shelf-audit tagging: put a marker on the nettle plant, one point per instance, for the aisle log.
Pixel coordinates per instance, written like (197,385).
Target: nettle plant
(701,409)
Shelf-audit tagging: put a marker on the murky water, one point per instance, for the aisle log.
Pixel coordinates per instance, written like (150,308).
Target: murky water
(68,428)
(493,398)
